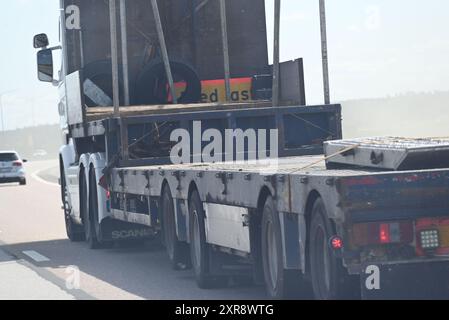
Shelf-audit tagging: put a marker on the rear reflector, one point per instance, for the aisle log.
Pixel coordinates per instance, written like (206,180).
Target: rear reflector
(382,233)
(336,243)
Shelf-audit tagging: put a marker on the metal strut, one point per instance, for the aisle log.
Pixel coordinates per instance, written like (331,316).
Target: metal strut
(114,57)
(160,33)
(276,55)
(224,36)
(324,52)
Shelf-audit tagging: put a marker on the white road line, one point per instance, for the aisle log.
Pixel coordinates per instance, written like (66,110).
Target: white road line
(36,256)
(36,177)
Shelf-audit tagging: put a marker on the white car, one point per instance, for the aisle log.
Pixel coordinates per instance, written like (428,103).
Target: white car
(11,168)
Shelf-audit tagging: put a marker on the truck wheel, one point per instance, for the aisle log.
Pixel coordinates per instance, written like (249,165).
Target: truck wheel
(279,283)
(199,249)
(329,279)
(178,252)
(86,204)
(74,231)
(86,210)
(100,73)
(95,240)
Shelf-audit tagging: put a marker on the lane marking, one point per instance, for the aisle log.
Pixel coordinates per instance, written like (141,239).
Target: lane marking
(36,177)
(36,256)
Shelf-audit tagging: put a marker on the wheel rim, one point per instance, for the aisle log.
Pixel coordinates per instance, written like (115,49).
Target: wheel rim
(272,255)
(196,241)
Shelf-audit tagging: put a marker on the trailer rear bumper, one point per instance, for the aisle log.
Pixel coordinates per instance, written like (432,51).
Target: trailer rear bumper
(425,280)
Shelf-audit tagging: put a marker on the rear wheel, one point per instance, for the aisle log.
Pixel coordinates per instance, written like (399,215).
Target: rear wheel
(23,182)
(280,283)
(329,279)
(199,249)
(178,252)
(74,232)
(95,240)
(86,211)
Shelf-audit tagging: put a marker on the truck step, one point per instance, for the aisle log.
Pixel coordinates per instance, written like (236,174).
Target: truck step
(389,153)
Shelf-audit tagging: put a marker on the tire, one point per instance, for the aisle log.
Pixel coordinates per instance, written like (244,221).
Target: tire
(279,283)
(23,182)
(86,205)
(151,85)
(100,73)
(199,249)
(74,232)
(178,252)
(330,280)
(95,238)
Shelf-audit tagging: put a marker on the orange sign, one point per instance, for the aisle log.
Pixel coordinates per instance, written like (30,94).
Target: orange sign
(215,90)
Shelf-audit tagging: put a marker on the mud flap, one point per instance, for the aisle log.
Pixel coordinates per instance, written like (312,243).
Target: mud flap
(114,230)
(406,281)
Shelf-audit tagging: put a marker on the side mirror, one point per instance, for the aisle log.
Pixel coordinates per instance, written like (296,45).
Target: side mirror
(45,65)
(40,41)
(24,160)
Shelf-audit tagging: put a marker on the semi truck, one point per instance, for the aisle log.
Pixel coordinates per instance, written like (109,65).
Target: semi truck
(176,127)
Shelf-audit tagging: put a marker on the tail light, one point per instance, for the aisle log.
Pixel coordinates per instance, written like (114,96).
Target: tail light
(382,233)
(17,164)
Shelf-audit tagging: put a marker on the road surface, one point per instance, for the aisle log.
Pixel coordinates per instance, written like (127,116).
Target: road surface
(38,262)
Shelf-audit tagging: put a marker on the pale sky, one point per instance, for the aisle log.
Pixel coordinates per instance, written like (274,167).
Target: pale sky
(376,48)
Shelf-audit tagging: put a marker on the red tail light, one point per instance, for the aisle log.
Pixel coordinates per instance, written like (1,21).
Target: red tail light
(382,233)
(17,164)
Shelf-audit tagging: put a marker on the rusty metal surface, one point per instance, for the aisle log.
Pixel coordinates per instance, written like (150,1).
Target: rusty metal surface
(391,153)
(397,143)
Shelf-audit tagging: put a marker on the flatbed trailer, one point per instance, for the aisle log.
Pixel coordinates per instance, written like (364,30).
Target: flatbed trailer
(375,215)
(302,212)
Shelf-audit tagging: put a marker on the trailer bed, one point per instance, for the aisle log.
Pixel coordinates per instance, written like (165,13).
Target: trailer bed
(303,165)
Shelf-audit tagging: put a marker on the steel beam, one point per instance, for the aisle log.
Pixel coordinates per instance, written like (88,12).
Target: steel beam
(160,33)
(114,57)
(124,36)
(276,54)
(224,36)
(324,52)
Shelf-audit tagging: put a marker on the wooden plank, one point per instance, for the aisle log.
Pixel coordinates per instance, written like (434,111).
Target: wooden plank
(94,114)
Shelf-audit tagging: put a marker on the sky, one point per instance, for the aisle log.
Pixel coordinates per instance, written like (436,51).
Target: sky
(377,48)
